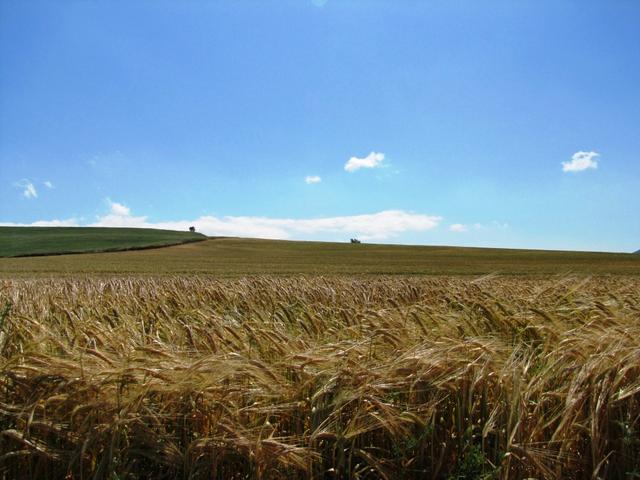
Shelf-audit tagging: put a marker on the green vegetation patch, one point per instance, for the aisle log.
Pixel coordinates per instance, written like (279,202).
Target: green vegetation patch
(36,241)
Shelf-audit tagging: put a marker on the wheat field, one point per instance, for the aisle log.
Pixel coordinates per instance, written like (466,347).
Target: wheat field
(311,377)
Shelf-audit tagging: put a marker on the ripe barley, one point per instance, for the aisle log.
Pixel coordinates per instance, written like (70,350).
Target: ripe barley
(269,377)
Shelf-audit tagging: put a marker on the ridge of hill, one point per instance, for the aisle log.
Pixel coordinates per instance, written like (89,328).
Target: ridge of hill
(232,257)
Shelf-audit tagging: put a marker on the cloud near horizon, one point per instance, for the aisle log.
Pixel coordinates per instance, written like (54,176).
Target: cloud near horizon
(458,227)
(375,226)
(118,209)
(462,227)
(581,161)
(373,160)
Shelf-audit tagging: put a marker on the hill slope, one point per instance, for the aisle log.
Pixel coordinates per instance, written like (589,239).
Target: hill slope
(235,257)
(30,241)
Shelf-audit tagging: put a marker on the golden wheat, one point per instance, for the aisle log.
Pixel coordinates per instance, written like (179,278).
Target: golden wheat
(320,378)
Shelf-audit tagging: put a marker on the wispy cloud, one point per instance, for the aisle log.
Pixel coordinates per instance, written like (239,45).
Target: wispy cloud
(581,161)
(375,226)
(458,227)
(494,225)
(47,184)
(312,179)
(69,222)
(106,162)
(373,160)
(28,189)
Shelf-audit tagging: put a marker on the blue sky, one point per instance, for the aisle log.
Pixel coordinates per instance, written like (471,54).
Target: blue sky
(511,124)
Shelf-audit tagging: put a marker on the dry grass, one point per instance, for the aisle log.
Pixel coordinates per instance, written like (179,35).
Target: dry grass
(235,257)
(320,378)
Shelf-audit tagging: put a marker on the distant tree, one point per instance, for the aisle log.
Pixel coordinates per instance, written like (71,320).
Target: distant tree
(355,240)
(192,229)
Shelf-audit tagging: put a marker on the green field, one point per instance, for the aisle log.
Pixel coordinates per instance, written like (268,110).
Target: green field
(236,257)
(29,241)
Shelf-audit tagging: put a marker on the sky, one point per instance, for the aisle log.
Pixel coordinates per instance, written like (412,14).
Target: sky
(477,123)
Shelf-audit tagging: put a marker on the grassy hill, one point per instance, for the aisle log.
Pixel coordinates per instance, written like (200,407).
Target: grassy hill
(30,241)
(235,257)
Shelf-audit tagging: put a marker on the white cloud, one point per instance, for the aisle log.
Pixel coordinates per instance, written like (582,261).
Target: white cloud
(28,189)
(373,160)
(120,216)
(581,161)
(381,225)
(462,227)
(458,227)
(374,226)
(312,179)
(119,209)
(70,222)
(48,184)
